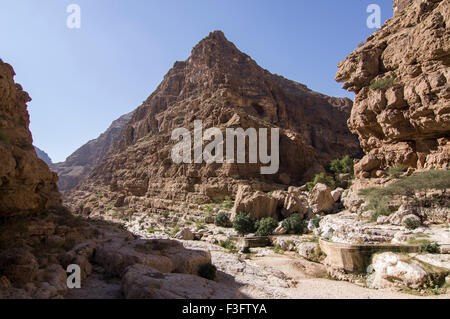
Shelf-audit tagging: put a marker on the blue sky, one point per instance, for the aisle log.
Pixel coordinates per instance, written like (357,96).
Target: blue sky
(81,80)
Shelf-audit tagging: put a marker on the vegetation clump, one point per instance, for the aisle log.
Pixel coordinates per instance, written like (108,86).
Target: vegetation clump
(382,84)
(378,198)
(431,248)
(342,166)
(333,179)
(244,224)
(321,178)
(294,224)
(412,223)
(222,220)
(397,170)
(228,244)
(266,226)
(315,221)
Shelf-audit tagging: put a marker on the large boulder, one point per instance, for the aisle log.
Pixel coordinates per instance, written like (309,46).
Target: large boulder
(257,204)
(143,282)
(392,270)
(321,199)
(337,194)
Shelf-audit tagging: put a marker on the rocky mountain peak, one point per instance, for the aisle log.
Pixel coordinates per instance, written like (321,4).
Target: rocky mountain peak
(224,88)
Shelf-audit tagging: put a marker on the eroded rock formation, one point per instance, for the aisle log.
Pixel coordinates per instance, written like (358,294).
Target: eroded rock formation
(401,80)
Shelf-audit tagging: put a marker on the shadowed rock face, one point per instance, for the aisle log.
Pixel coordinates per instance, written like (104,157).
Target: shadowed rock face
(80,163)
(223,87)
(401,80)
(26,183)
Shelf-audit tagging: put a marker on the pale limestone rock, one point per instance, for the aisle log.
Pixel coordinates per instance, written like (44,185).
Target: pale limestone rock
(280,230)
(391,270)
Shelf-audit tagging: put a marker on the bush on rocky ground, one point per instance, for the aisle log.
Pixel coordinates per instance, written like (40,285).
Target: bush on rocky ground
(321,178)
(342,166)
(336,169)
(412,223)
(431,248)
(294,224)
(378,198)
(222,220)
(228,244)
(243,224)
(397,170)
(266,226)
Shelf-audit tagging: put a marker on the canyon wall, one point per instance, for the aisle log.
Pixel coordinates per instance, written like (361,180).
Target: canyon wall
(401,78)
(27,186)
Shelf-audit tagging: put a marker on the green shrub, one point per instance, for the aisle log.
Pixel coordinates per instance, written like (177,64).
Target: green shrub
(407,186)
(397,170)
(228,244)
(222,220)
(294,224)
(432,248)
(266,226)
(315,220)
(321,178)
(225,203)
(243,224)
(208,271)
(342,166)
(412,223)
(382,84)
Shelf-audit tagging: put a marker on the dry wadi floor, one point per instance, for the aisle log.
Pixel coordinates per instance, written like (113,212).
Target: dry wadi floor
(265,275)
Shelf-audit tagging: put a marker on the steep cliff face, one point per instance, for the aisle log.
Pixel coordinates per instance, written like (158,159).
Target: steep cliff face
(224,88)
(401,80)
(26,183)
(78,165)
(43,156)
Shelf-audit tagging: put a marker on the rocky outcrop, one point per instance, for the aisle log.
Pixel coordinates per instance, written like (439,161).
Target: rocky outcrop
(392,270)
(224,88)
(26,183)
(43,156)
(401,80)
(78,165)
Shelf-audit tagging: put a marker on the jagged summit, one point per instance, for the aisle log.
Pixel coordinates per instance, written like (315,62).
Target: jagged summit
(223,87)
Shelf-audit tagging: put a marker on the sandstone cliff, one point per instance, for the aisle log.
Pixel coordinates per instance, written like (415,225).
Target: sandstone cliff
(78,165)
(401,80)
(39,239)
(26,183)
(224,88)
